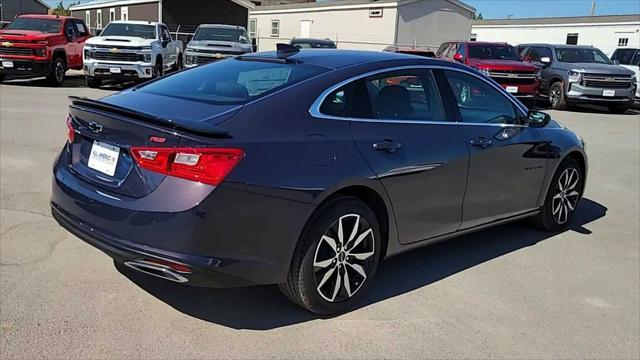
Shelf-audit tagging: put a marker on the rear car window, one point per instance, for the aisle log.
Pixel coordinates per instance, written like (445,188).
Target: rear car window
(625,56)
(232,81)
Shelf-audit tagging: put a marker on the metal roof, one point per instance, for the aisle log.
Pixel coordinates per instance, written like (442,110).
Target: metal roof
(104,3)
(347,3)
(561,20)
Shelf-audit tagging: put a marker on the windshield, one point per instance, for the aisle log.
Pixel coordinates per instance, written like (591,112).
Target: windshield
(232,81)
(47,26)
(221,34)
(581,55)
(133,30)
(493,52)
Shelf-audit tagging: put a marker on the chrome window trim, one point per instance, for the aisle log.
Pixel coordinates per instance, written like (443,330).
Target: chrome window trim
(315,107)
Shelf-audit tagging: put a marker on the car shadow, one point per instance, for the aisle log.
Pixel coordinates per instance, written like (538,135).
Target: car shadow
(543,105)
(264,308)
(73,80)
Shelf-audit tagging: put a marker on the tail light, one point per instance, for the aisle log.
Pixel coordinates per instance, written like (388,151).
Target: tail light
(206,165)
(71,133)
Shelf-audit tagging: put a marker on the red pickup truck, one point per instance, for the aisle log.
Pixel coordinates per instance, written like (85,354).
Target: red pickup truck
(499,61)
(42,46)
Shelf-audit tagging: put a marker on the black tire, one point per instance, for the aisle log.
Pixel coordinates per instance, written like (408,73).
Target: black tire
(306,273)
(57,73)
(158,70)
(557,97)
(179,65)
(1,78)
(93,82)
(619,109)
(551,219)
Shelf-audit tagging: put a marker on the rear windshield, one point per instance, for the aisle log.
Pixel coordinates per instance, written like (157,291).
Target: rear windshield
(493,52)
(133,30)
(232,81)
(313,45)
(581,55)
(47,26)
(221,34)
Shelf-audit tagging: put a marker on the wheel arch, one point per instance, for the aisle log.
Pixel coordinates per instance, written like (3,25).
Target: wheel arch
(61,53)
(579,157)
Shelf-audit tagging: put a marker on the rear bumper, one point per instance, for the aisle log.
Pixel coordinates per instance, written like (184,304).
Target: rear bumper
(578,94)
(128,71)
(25,68)
(229,237)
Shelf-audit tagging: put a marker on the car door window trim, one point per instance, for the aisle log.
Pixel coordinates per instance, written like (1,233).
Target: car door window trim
(315,107)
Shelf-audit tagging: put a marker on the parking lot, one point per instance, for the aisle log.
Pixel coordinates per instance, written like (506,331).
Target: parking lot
(507,292)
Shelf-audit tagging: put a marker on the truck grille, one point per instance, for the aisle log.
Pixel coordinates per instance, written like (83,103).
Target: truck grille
(513,77)
(199,60)
(16,51)
(610,82)
(108,56)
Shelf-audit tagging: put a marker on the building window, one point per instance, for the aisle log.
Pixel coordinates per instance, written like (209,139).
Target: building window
(253,25)
(375,13)
(474,37)
(623,42)
(99,19)
(87,18)
(112,14)
(275,28)
(124,13)
(572,39)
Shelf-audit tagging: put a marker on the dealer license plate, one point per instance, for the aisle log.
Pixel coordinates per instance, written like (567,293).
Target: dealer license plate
(115,70)
(7,64)
(609,93)
(104,158)
(512,89)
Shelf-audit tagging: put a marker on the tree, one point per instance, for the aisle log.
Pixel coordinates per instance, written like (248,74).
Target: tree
(477,16)
(61,10)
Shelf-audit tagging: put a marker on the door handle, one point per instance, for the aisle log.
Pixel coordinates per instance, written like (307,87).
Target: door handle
(481,142)
(387,145)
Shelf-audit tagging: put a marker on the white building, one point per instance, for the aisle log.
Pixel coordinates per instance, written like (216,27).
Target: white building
(363,24)
(604,32)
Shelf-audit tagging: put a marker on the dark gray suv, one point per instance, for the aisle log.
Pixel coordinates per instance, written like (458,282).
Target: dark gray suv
(574,74)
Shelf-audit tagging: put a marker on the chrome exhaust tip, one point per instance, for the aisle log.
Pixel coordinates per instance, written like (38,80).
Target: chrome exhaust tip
(157,270)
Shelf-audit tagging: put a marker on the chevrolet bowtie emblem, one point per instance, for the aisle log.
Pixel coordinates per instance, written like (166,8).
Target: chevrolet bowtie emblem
(6,43)
(114,50)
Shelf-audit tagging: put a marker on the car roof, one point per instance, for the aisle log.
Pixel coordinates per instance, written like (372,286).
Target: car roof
(221,26)
(397,48)
(334,59)
(310,40)
(133,22)
(44,16)
(560,46)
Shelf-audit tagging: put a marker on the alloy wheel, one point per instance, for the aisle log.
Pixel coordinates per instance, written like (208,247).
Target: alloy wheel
(344,258)
(59,72)
(566,198)
(554,96)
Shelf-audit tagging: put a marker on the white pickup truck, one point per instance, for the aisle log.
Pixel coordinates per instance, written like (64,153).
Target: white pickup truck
(131,50)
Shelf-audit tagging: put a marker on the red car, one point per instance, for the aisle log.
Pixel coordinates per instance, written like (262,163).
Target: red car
(42,46)
(499,61)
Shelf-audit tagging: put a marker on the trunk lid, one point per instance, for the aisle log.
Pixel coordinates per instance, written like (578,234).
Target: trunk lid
(105,131)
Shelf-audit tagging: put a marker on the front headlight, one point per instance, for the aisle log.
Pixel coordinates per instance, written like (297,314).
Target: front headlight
(484,71)
(146,58)
(539,75)
(575,76)
(87,52)
(634,79)
(41,52)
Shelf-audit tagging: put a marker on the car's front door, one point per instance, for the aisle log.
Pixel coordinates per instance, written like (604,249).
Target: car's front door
(401,129)
(170,51)
(507,164)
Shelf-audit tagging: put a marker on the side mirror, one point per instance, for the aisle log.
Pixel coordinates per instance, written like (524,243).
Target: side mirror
(616,62)
(545,60)
(458,58)
(538,119)
(164,43)
(527,59)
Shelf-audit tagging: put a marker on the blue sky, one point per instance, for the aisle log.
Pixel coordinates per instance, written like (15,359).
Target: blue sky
(492,9)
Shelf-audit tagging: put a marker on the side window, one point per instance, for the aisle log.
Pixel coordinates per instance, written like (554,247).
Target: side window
(442,50)
(165,34)
(336,103)
(404,95)
(452,50)
(69,27)
(479,102)
(81,28)
(462,50)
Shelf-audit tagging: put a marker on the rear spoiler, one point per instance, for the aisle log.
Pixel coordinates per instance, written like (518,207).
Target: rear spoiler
(197,128)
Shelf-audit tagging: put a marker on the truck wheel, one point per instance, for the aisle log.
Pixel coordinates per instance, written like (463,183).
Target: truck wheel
(57,73)
(618,109)
(556,96)
(93,82)
(179,65)
(158,70)
(1,78)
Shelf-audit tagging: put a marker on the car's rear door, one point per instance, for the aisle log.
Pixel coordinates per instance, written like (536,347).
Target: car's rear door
(508,162)
(401,129)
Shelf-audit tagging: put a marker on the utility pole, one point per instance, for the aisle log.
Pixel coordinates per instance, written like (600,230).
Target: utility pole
(593,7)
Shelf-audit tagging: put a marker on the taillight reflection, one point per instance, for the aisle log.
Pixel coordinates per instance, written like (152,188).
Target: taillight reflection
(206,165)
